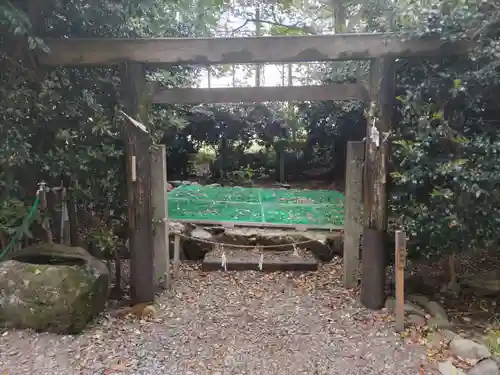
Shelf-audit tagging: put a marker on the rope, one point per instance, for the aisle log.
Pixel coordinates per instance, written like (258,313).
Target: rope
(27,220)
(224,261)
(243,246)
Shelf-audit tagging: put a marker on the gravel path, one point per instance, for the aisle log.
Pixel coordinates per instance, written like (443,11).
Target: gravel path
(229,323)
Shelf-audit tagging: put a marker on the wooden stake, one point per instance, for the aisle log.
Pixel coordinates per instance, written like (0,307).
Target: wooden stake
(72,216)
(399,269)
(177,255)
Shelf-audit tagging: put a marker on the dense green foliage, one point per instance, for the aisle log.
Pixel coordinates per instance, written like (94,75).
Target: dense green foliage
(61,124)
(447,139)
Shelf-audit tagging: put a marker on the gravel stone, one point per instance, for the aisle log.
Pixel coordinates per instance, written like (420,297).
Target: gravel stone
(230,323)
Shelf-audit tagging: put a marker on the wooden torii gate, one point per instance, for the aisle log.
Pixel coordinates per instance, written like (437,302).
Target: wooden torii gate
(133,54)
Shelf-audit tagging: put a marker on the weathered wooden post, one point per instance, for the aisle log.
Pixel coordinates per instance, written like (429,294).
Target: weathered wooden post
(160,215)
(137,144)
(353,210)
(379,124)
(177,256)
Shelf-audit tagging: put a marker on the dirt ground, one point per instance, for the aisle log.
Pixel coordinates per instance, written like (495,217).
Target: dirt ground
(231,323)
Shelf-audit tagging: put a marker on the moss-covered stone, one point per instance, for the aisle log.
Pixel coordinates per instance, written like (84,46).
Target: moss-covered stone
(324,245)
(52,288)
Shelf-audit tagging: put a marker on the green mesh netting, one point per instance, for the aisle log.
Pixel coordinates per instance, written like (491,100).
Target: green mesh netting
(322,208)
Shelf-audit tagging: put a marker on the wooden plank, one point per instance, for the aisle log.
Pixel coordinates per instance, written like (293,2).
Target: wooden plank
(138,174)
(160,213)
(353,211)
(399,269)
(271,49)
(272,261)
(379,124)
(300,227)
(261,94)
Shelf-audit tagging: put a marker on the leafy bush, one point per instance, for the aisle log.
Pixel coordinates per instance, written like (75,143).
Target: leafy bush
(446,173)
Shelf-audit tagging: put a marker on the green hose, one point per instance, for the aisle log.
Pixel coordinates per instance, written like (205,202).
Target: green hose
(26,221)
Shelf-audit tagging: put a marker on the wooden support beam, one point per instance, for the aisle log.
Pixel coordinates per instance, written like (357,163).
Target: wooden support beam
(353,212)
(161,241)
(137,144)
(241,50)
(379,125)
(261,94)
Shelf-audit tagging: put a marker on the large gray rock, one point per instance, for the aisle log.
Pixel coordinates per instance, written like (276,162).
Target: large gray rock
(469,349)
(390,304)
(448,368)
(436,339)
(484,283)
(439,318)
(52,288)
(485,367)
(324,246)
(197,244)
(438,323)
(437,310)
(419,299)
(416,320)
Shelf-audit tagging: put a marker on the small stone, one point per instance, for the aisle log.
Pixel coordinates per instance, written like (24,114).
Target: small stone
(419,299)
(416,320)
(435,340)
(174,227)
(448,368)
(390,304)
(438,323)
(437,310)
(469,349)
(485,367)
(449,335)
(198,244)
(452,289)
